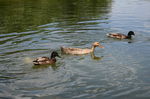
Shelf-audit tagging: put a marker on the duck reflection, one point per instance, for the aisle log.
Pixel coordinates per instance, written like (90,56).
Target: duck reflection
(95,57)
(53,66)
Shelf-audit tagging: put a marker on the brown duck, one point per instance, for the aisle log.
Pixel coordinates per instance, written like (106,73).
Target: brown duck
(46,60)
(121,36)
(79,51)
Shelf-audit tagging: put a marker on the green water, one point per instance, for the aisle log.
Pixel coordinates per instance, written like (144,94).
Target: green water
(33,28)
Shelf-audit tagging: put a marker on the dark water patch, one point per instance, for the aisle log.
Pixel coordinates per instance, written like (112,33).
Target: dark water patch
(19,51)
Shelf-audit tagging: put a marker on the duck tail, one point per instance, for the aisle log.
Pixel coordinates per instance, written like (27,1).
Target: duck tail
(108,34)
(62,48)
(35,62)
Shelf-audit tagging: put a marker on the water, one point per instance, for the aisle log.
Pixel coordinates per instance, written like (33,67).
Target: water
(29,29)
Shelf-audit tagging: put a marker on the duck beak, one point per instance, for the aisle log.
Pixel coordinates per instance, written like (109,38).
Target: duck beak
(58,56)
(100,46)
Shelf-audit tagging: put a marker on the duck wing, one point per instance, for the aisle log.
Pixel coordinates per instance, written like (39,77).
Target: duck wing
(65,49)
(76,51)
(41,59)
(117,35)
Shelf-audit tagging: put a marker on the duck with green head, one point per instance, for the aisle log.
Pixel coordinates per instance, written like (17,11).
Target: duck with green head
(46,60)
(121,36)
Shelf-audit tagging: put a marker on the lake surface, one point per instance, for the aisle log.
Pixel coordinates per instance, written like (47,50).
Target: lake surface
(33,28)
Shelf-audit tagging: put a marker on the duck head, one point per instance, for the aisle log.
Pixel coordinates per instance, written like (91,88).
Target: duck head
(54,54)
(97,44)
(130,33)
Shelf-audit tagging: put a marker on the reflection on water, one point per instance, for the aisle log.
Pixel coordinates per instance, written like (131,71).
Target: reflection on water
(95,57)
(29,29)
(19,16)
(54,66)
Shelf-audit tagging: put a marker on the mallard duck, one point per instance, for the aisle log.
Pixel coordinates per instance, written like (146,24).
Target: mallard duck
(79,51)
(121,36)
(46,60)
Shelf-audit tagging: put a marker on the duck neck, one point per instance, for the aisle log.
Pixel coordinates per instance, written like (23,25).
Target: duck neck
(52,57)
(129,36)
(92,48)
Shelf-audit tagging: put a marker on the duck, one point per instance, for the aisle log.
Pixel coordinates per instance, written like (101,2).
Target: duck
(46,60)
(121,36)
(80,51)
